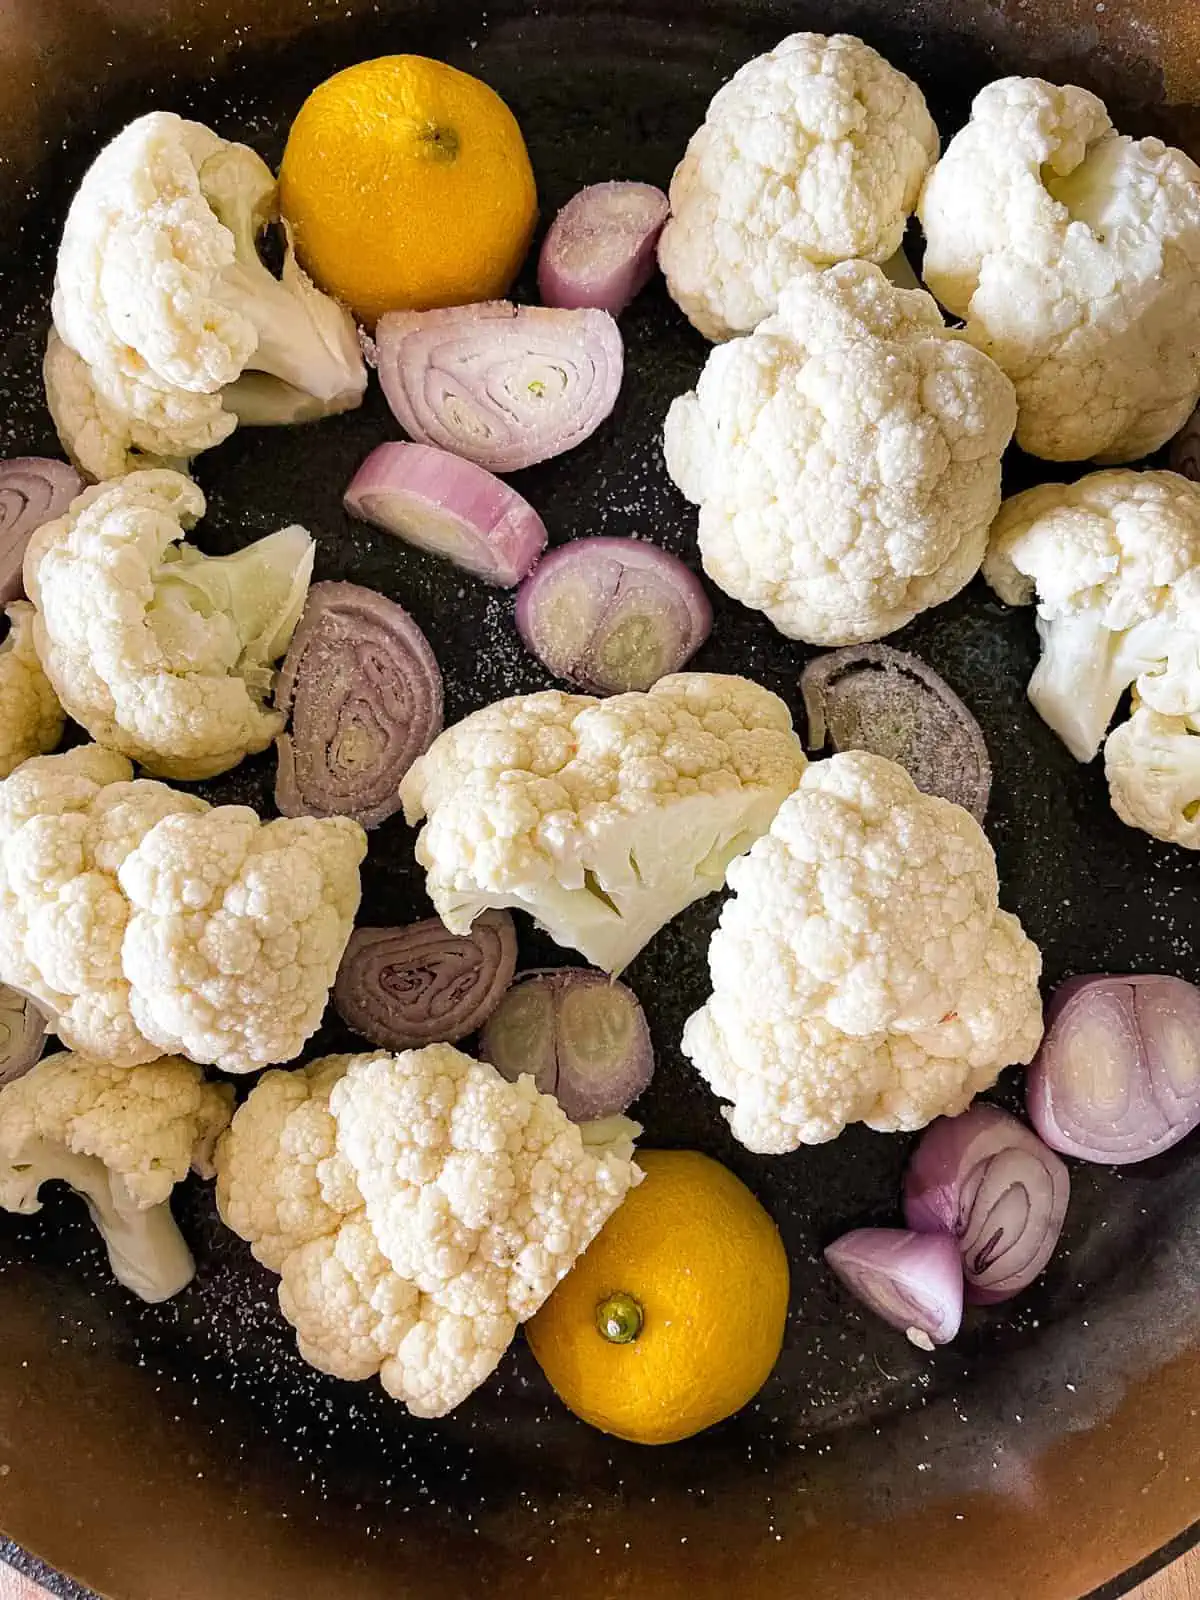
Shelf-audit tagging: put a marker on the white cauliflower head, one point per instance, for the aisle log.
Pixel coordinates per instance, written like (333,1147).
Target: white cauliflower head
(217,940)
(1114,563)
(417,1207)
(236,929)
(845,458)
(1152,764)
(811,154)
(601,818)
(862,971)
(31,719)
(160,652)
(1073,255)
(161,295)
(122,1137)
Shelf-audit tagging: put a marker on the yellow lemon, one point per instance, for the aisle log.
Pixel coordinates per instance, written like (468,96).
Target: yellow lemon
(674,1316)
(408,185)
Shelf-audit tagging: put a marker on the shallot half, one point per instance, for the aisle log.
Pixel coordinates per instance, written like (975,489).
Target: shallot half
(365,696)
(600,250)
(33,490)
(504,386)
(610,615)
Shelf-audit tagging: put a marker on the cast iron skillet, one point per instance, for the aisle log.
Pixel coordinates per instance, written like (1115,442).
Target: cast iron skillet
(185,1451)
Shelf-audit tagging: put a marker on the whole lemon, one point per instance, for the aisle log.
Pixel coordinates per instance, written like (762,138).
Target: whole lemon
(674,1316)
(407,185)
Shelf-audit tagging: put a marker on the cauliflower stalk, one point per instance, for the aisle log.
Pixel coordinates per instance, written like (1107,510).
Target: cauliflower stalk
(31,719)
(1073,255)
(160,652)
(862,970)
(145,921)
(602,818)
(162,304)
(417,1207)
(845,458)
(1114,564)
(122,1138)
(811,154)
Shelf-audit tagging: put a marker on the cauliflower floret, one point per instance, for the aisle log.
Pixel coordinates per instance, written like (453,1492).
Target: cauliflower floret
(236,929)
(1152,764)
(845,458)
(811,154)
(31,719)
(217,938)
(1114,561)
(602,818)
(158,651)
(1073,255)
(862,971)
(123,1137)
(66,824)
(417,1207)
(162,296)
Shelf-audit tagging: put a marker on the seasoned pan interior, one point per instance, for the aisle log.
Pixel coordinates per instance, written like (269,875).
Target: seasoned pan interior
(856,1427)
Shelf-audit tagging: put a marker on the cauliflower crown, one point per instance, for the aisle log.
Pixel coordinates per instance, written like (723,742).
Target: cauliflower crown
(862,970)
(1152,764)
(1114,563)
(158,651)
(217,938)
(602,818)
(31,719)
(845,458)
(811,154)
(1073,254)
(122,1138)
(161,302)
(418,1207)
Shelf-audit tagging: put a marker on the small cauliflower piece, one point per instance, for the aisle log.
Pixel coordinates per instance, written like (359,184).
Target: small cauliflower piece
(1073,255)
(862,970)
(162,299)
(845,458)
(417,1208)
(122,1137)
(217,938)
(236,929)
(67,822)
(811,154)
(601,818)
(1114,563)
(31,719)
(1152,764)
(162,653)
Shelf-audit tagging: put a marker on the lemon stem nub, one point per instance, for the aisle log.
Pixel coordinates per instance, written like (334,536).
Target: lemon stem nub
(619,1318)
(441,142)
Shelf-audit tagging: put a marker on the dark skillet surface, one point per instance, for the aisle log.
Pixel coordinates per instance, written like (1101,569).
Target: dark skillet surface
(602,97)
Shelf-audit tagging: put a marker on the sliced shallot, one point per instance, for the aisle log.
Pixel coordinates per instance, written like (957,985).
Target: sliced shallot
(612,615)
(442,503)
(365,696)
(600,250)
(1117,1078)
(914,1281)
(22,1034)
(995,1188)
(583,1037)
(33,490)
(871,697)
(505,386)
(402,988)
